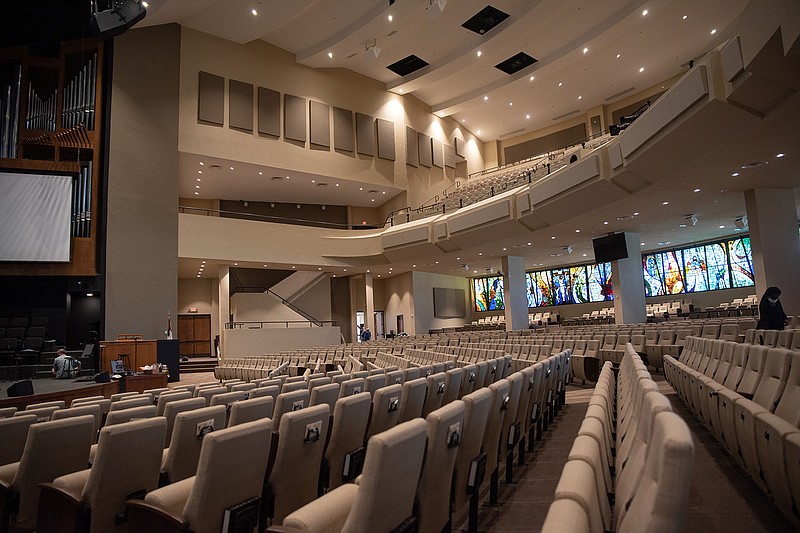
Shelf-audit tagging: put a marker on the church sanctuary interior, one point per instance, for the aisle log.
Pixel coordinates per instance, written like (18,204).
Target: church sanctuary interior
(399,266)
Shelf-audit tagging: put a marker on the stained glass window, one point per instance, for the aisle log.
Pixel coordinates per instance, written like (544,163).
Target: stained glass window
(741,257)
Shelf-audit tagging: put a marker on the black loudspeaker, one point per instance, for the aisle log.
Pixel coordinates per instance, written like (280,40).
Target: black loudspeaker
(115,21)
(21,388)
(102,377)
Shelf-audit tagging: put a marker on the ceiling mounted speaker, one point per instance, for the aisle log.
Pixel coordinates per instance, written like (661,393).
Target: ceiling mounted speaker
(121,16)
(435,8)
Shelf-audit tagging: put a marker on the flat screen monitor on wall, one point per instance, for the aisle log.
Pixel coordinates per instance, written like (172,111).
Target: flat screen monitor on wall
(610,248)
(35,215)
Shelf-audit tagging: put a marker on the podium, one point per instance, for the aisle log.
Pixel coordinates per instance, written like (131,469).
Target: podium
(169,354)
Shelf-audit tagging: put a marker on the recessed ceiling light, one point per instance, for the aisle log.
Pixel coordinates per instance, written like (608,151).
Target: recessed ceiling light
(478,132)
(580,97)
(236,264)
(681,225)
(437,262)
(463,120)
(337,184)
(201,163)
(287,177)
(373,199)
(697,190)
(383,192)
(479,53)
(722,227)
(199,171)
(413,266)
(254,12)
(641,69)
(529,244)
(527,116)
(780,155)
(644,13)
(713,31)
(585,50)
(664,203)
(480,253)
(330,55)
(196,192)
(504,249)
(618,56)
(560,84)
(345,270)
(577,231)
(313,181)
(584,255)
(198,179)
(735,174)
(265,266)
(636,214)
(553,237)
(511,103)
(231,168)
(485,98)
(532,78)
(196,186)
(685,17)
(361,188)
(390,18)
(401,91)
(145,5)
(641,244)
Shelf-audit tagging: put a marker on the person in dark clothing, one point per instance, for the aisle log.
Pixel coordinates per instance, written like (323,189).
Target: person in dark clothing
(770,310)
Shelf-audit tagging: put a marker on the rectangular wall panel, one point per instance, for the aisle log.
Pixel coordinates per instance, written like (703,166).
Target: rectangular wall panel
(459,146)
(294,119)
(449,156)
(438,154)
(240,105)
(386,139)
(424,147)
(269,112)
(343,131)
(320,124)
(211,99)
(449,303)
(365,135)
(412,149)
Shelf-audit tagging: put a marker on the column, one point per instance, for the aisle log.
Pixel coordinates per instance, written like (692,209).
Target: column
(628,280)
(515,293)
(224,306)
(369,308)
(772,218)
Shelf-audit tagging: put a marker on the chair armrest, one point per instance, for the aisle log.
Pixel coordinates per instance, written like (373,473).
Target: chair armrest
(60,510)
(145,517)
(326,513)
(284,529)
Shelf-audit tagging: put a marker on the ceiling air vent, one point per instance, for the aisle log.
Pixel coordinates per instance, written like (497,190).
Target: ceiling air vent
(485,19)
(515,63)
(407,65)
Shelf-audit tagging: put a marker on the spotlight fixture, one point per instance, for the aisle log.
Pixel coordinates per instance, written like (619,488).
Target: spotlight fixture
(117,19)
(371,51)
(568,249)
(740,222)
(692,218)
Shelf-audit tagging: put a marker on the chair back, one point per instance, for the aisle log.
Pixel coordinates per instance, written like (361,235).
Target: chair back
(385,409)
(126,415)
(327,394)
(15,432)
(231,470)
(89,409)
(207,392)
(476,413)
(348,430)
(166,397)
(351,386)
(286,403)
(445,428)
(452,384)
(172,408)
(434,394)
(245,411)
(52,449)
(294,479)
(412,399)
(190,430)
(141,400)
(491,437)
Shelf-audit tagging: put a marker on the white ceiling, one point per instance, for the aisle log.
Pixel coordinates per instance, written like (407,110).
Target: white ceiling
(457,81)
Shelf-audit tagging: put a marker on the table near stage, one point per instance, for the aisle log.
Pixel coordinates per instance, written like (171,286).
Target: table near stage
(135,351)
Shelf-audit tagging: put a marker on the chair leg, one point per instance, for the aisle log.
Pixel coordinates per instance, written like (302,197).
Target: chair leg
(494,481)
(510,466)
(521,452)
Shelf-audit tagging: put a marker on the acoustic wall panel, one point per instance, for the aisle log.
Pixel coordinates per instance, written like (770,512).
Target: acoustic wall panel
(211,99)
(320,124)
(386,139)
(458,144)
(438,155)
(449,303)
(449,156)
(269,112)
(412,149)
(343,132)
(294,119)
(424,147)
(240,105)
(365,135)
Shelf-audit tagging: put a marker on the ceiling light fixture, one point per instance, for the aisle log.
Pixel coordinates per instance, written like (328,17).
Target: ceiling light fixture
(664,203)
(532,78)
(254,12)
(713,31)
(618,56)
(527,116)
(780,155)
(641,69)
(585,50)
(644,13)
(697,190)
(479,53)
(485,98)
(684,17)
(390,18)
(330,55)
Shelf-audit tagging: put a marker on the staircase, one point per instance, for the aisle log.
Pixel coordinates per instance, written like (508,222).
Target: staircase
(198,364)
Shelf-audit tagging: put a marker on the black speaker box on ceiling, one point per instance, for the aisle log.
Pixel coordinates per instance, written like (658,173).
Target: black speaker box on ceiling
(122,15)
(21,388)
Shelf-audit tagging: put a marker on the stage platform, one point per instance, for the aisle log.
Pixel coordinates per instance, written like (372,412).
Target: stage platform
(48,390)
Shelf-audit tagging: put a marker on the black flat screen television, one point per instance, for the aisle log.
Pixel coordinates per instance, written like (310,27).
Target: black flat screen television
(610,248)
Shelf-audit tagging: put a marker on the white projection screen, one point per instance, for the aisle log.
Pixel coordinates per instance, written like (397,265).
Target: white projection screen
(35,214)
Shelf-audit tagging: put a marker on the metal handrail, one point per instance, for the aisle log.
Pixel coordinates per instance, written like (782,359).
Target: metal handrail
(252,324)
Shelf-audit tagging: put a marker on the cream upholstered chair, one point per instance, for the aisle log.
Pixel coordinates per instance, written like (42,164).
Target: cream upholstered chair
(445,428)
(61,404)
(468,380)
(566,515)
(96,496)
(348,428)
(385,409)
(476,412)
(207,392)
(7,412)
(52,449)
(413,399)
(434,393)
(491,437)
(452,385)
(577,483)
(140,400)
(351,386)
(268,390)
(227,399)
(179,461)
(231,471)
(291,386)
(15,432)
(374,382)
(42,414)
(294,479)
(250,410)
(126,415)
(287,403)
(172,409)
(88,409)
(166,397)
(327,394)
(76,401)
(661,496)
(384,497)
(119,396)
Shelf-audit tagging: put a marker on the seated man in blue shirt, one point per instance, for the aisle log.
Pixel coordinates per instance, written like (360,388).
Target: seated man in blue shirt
(65,367)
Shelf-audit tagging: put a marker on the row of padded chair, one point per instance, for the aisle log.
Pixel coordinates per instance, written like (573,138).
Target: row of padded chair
(747,397)
(630,465)
(496,420)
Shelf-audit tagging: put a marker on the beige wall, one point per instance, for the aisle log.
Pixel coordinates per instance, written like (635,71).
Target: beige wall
(424,283)
(141,268)
(398,299)
(276,69)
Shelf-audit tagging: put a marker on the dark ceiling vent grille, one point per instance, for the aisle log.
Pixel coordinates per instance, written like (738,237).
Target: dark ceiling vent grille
(515,63)
(485,19)
(407,65)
